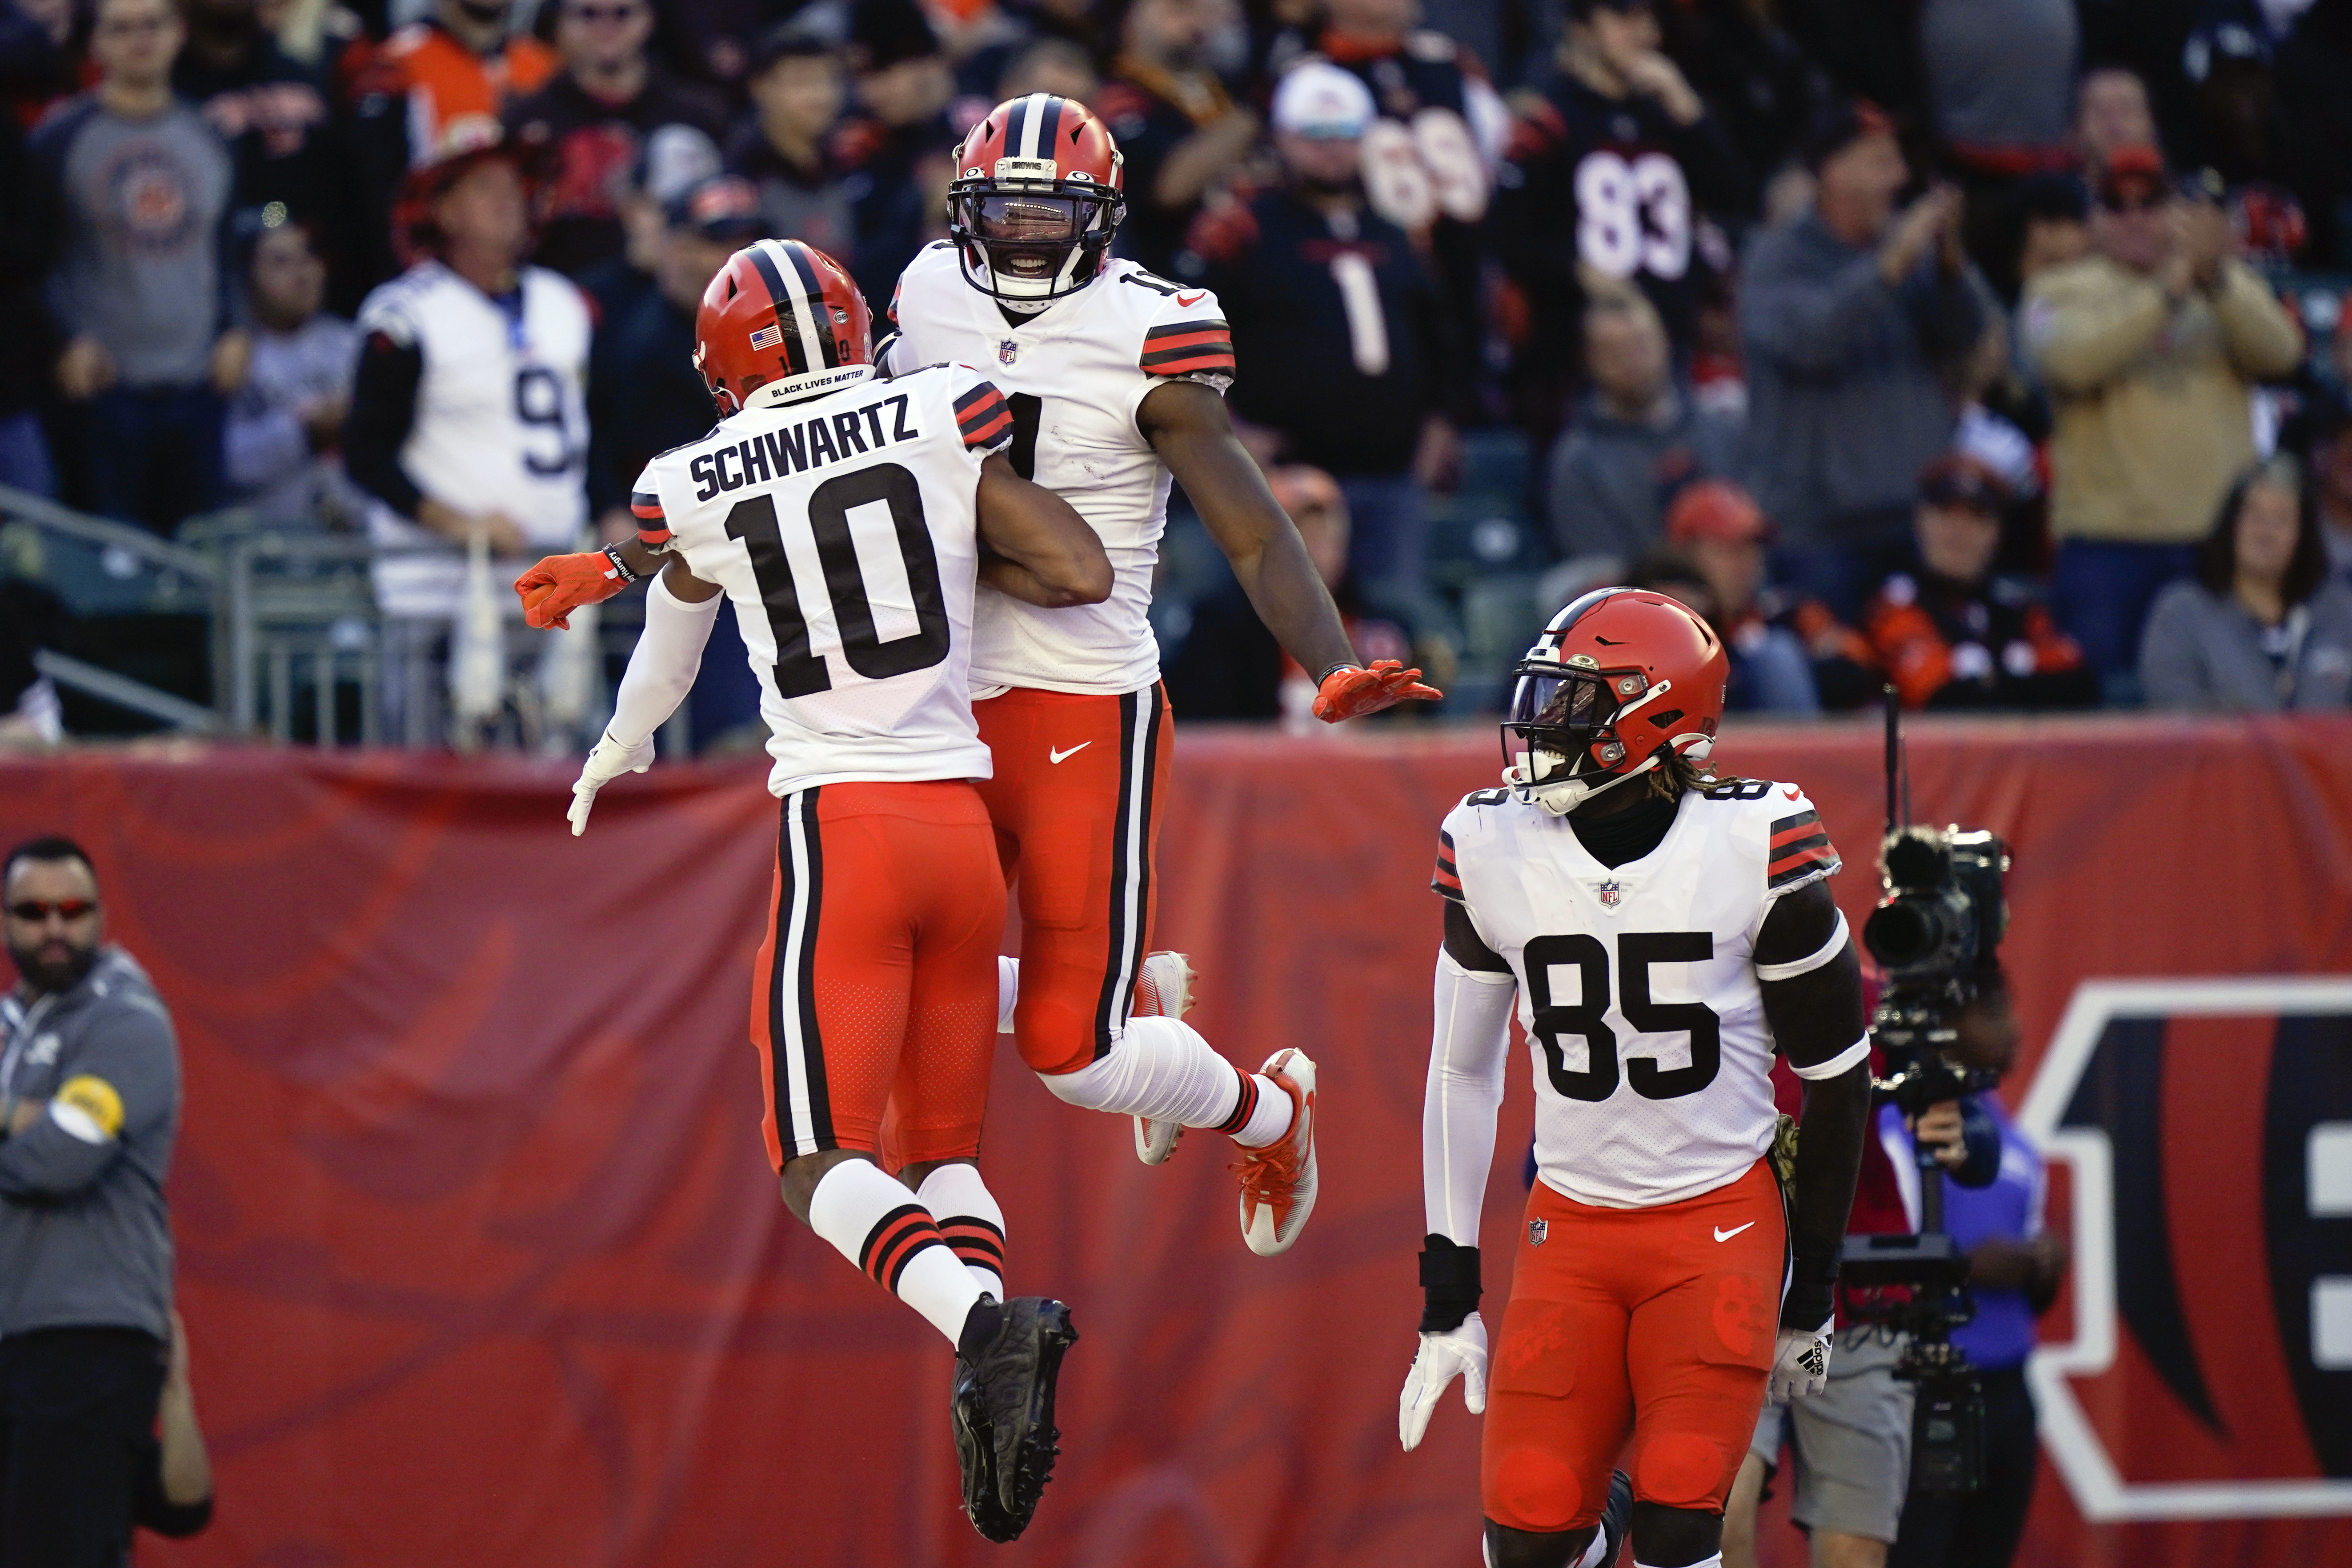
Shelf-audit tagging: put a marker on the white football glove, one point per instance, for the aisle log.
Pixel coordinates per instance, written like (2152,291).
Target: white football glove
(1459,1353)
(606,763)
(1801,1362)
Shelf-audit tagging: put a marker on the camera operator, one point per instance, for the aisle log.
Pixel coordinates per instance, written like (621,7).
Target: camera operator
(2014,1270)
(1851,1443)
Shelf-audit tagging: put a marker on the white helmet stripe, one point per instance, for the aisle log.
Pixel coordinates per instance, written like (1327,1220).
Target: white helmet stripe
(807,301)
(1034,123)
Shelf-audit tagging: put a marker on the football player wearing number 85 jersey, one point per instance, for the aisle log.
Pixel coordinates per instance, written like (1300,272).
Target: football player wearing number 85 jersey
(1665,932)
(845,517)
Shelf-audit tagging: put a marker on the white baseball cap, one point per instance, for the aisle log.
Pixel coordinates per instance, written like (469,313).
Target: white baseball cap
(1319,99)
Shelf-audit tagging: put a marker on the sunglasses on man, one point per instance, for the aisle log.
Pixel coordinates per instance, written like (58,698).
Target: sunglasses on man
(34,911)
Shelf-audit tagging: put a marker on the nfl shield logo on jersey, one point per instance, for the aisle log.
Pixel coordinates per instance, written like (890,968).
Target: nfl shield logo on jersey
(1537,1230)
(1609,894)
(1006,351)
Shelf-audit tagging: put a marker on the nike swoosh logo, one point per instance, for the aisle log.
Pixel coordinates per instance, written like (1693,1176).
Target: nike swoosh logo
(1790,793)
(1723,1235)
(1183,303)
(1054,756)
(1608,642)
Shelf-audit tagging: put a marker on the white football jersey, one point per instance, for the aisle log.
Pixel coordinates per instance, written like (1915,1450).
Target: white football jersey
(1074,374)
(1637,985)
(501,421)
(845,527)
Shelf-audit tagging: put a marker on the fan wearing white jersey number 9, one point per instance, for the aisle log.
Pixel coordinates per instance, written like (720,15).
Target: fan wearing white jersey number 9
(1664,931)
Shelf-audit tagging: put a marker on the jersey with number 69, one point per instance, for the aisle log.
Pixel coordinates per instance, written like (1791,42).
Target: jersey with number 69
(1074,375)
(1638,985)
(844,527)
(500,422)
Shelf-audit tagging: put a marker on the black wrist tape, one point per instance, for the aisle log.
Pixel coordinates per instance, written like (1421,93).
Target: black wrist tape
(620,567)
(1449,1284)
(1329,672)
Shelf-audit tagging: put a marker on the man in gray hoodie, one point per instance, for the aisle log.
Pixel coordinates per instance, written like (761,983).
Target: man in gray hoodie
(1854,318)
(89,1102)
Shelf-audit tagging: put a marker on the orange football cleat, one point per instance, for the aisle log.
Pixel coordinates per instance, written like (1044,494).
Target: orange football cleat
(1278,1180)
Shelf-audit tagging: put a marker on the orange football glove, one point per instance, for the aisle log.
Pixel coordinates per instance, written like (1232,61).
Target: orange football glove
(1350,693)
(560,584)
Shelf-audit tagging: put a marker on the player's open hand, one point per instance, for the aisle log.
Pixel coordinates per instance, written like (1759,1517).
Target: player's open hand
(1460,1351)
(560,584)
(1351,693)
(606,763)
(1801,1362)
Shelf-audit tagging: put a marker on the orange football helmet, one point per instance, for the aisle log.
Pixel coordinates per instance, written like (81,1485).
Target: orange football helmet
(1619,680)
(780,318)
(1039,189)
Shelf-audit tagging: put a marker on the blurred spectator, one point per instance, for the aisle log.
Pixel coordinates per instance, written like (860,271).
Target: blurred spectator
(1742,60)
(1855,321)
(2263,626)
(798,86)
(469,419)
(713,41)
(2331,483)
(286,424)
(596,114)
(2149,349)
(1332,310)
(1950,633)
(2054,213)
(1789,654)
(273,113)
(1229,666)
(2015,1268)
(89,1089)
(896,146)
(2315,89)
(135,193)
(172,1493)
(2000,78)
(1434,147)
(2111,112)
(38,61)
(1612,178)
(644,395)
(1637,437)
(28,349)
(461,64)
(1175,125)
(674,159)
(1050,64)
(2242,133)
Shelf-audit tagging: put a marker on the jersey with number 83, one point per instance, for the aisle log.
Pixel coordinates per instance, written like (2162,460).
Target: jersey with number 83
(1638,985)
(843,527)
(1074,375)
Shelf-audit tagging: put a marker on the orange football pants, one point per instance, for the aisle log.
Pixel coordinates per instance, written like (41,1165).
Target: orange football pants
(876,987)
(1076,804)
(1656,1323)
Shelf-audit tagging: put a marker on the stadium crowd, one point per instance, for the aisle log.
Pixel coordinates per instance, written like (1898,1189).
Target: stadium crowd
(1964,345)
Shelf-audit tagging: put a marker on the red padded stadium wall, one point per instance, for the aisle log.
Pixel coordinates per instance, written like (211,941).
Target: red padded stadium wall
(483,1265)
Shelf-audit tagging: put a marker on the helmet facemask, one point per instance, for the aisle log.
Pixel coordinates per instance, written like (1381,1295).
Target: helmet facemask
(1026,245)
(1562,741)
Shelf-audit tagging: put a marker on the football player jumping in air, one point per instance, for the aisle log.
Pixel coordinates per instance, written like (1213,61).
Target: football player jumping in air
(1114,381)
(1664,931)
(847,518)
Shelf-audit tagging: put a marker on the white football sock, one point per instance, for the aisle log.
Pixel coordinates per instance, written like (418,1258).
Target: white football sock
(875,1222)
(1162,1068)
(1008,991)
(968,1216)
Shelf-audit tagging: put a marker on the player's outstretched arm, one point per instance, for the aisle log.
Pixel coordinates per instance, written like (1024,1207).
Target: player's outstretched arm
(681,609)
(1811,978)
(1187,424)
(1043,551)
(1468,1052)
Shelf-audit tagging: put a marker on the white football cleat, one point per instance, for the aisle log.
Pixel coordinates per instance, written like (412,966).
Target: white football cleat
(1164,990)
(1278,1180)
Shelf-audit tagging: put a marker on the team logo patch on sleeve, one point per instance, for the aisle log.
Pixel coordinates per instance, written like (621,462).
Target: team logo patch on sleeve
(1800,848)
(1447,882)
(982,417)
(1181,348)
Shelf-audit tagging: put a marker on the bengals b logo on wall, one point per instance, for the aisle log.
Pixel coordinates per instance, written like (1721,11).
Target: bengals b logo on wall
(2207,1126)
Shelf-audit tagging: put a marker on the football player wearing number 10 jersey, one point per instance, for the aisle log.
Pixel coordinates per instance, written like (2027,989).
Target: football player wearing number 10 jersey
(1665,932)
(845,517)
(1115,380)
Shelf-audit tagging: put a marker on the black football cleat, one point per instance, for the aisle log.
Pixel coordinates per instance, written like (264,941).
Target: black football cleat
(1003,1415)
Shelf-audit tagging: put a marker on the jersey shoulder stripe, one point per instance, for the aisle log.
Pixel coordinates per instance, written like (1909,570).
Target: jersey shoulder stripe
(1448,882)
(1800,850)
(1183,348)
(653,524)
(982,417)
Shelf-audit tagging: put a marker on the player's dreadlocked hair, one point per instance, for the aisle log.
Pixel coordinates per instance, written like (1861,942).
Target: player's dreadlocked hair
(1676,774)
